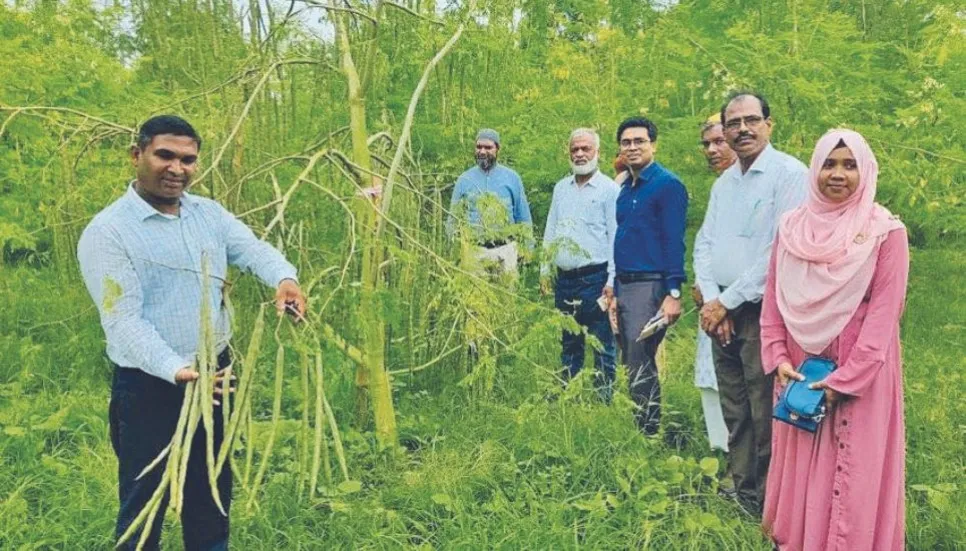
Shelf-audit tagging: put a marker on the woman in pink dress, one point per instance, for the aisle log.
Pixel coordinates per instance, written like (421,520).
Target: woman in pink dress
(836,287)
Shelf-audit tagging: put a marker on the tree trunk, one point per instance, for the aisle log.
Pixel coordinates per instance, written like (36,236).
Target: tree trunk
(372,379)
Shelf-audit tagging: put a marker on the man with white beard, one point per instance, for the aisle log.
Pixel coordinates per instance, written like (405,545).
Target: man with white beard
(580,239)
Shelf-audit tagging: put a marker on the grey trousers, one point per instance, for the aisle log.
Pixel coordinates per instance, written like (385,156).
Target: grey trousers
(746,401)
(637,303)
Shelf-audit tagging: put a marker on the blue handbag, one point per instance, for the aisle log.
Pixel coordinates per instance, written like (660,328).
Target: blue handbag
(799,405)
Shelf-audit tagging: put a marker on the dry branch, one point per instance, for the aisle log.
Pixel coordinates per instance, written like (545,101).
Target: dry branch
(408,123)
(23,109)
(244,114)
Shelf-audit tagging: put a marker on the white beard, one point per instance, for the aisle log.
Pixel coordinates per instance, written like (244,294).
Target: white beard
(587,168)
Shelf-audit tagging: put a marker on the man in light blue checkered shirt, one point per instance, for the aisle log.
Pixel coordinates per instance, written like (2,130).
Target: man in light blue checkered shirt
(141,260)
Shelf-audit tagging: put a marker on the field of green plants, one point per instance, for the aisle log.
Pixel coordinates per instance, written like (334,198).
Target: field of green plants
(444,425)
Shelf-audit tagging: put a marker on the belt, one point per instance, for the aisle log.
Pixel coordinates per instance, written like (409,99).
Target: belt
(493,244)
(632,277)
(582,271)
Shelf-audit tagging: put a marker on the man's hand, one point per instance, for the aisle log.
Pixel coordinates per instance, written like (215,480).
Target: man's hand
(608,293)
(697,296)
(786,373)
(725,331)
(185,375)
(220,377)
(711,315)
(672,309)
(289,298)
(832,397)
(612,316)
(545,286)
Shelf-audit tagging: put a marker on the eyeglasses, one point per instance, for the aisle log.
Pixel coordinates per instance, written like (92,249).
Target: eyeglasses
(636,142)
(751,121)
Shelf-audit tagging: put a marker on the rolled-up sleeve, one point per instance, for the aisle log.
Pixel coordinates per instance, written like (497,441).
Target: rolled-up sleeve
(113,283)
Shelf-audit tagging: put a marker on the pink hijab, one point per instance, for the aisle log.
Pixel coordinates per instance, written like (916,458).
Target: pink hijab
(827,251)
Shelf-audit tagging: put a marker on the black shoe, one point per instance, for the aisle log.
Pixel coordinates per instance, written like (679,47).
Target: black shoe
(752,507)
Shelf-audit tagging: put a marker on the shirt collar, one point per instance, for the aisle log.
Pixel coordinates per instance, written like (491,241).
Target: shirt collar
(645,173)
(593,182)
(493,169)
(763,162)
(143,210)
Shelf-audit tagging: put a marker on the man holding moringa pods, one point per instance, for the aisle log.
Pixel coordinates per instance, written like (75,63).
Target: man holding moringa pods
(141,259)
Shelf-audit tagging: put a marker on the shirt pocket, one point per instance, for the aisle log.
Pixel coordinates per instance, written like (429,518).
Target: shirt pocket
(759,217)
(594,215)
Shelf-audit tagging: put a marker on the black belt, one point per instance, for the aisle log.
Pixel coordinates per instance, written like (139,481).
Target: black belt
(493,244)
(632,277)
(582,271)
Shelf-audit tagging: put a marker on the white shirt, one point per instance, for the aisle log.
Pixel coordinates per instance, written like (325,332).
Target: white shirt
(582,223)
(733,246)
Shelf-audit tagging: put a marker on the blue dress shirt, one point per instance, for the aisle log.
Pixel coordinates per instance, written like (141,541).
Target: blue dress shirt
(582,222)
(501,182)
(734,243)
(651,220)
(143,270)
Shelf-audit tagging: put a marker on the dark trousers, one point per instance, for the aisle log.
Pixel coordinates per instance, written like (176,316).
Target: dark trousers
(638,302)
(746,401)
(577,297)
(143,416)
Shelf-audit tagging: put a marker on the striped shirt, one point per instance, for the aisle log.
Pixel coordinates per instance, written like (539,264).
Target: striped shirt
(143,270)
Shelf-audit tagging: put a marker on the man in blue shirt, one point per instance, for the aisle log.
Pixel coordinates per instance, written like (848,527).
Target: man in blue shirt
(580,236)
(141,259)
(649,260)
(490,199)
(731,253)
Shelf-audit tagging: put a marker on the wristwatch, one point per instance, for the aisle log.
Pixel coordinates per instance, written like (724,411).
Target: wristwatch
(675,294)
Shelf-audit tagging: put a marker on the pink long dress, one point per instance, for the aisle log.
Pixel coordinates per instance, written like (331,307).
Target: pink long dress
(843,488)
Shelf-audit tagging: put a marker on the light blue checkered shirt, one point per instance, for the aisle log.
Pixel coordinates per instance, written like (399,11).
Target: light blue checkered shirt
(143,270)
(583,220)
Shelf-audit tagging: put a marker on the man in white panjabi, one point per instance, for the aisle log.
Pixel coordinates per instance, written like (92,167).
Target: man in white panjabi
(719,156)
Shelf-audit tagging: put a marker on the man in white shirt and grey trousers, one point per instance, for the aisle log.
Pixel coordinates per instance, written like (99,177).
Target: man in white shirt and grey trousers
(731,254)
(580,234)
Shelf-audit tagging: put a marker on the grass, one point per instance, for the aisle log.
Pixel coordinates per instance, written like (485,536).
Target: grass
(511,471)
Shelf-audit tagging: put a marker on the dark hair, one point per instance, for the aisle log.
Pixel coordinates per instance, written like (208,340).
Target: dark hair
(765,110)
(638,122)
(165,124)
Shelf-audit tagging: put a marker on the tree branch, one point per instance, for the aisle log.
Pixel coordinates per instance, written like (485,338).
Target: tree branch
(22,109)
(244,114)
(414,13)
(408,124)
(353,11)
